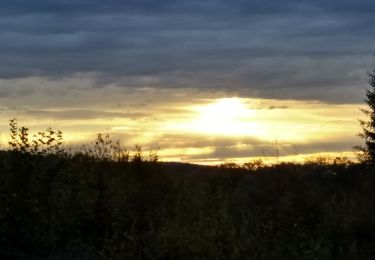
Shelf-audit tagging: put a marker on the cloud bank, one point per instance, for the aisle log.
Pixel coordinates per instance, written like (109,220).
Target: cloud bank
(277,49)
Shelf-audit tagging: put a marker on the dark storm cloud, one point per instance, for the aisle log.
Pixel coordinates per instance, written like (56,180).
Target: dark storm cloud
(282,49)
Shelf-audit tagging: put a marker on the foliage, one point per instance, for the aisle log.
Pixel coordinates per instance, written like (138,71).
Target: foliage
(103,149)
(42,143)
(368,126)
(104,202)
(254,165)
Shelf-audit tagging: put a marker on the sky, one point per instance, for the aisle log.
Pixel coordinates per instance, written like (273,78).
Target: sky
(202,81)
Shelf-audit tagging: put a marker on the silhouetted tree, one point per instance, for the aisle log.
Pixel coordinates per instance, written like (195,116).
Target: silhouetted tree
(368,126)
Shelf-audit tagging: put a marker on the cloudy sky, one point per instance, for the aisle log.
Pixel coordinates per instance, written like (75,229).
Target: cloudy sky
(201,81)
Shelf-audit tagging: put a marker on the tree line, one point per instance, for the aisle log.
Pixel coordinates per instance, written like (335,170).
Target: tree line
(105,202)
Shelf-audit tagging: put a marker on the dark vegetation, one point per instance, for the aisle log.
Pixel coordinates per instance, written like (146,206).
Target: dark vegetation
(103,202)
(368,126)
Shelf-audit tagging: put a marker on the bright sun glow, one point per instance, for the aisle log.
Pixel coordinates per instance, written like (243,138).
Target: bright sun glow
(211,130)
(227,116)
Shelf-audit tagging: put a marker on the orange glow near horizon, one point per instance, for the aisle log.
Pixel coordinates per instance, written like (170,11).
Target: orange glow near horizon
(210,131)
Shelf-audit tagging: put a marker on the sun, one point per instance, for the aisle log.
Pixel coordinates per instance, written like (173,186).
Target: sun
(225,109)
(225,117)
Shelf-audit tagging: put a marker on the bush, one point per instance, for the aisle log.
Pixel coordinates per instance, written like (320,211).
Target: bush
(104,202)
